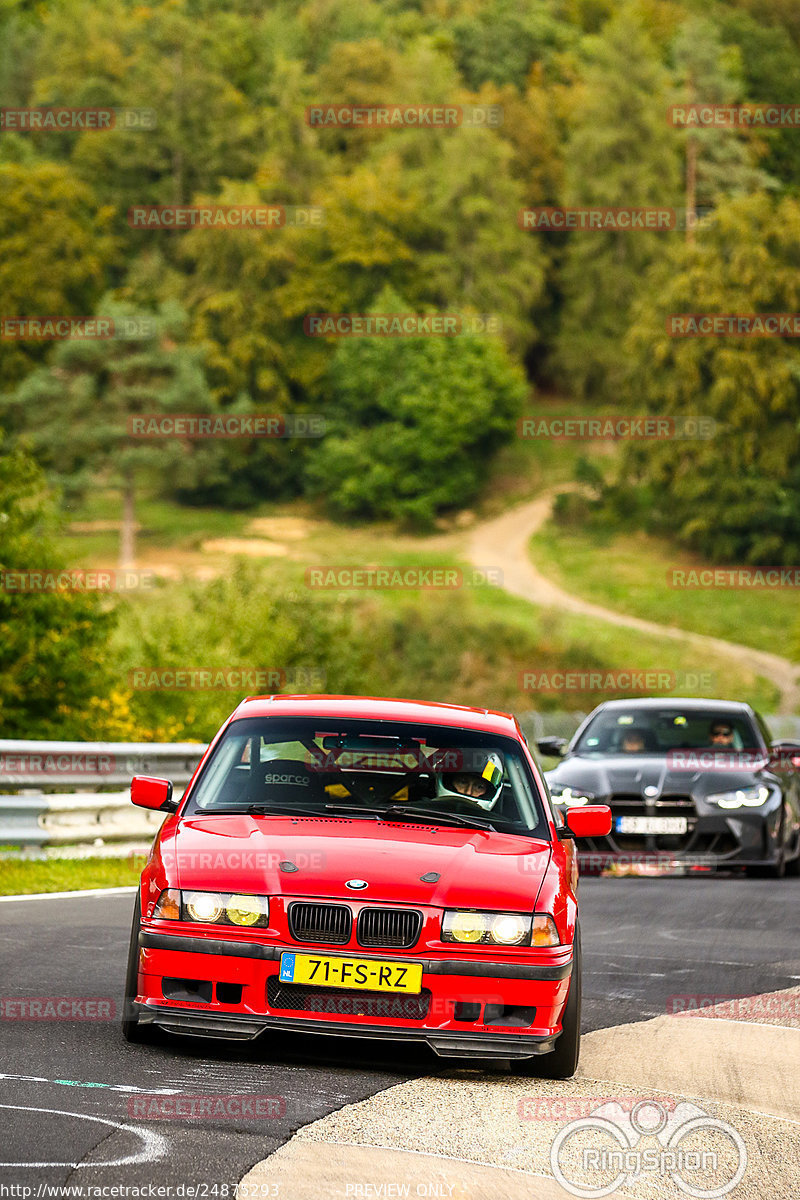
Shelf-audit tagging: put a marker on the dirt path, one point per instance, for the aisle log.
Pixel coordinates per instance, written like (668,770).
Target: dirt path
(503,542)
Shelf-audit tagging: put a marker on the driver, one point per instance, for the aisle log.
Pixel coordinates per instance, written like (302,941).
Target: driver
(482,785)
(721,733)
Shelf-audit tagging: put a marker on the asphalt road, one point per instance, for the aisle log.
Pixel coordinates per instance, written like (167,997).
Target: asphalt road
(66,1087)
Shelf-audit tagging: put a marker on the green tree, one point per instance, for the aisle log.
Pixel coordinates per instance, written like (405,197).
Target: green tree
(52,642)
(735,496)
(719,161)
(56,247)
(414,422)
(75,413)
(621,153)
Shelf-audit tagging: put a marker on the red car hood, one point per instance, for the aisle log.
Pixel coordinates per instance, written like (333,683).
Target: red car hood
(241,853)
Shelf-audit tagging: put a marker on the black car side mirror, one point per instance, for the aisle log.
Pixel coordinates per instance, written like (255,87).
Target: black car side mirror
(552,747)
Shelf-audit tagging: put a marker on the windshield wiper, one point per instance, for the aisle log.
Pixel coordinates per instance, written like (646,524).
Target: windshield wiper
(282,810)
(434,817)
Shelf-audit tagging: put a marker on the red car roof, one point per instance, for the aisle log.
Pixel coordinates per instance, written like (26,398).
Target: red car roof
(381,709)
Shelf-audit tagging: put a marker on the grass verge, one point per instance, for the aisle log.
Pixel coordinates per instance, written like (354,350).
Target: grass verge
(24,877)
(629,573)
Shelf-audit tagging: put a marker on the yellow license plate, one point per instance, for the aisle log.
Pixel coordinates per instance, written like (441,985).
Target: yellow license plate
(367,974)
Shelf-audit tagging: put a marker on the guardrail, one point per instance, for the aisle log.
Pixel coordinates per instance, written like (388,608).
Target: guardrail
(97,820)
(91,820)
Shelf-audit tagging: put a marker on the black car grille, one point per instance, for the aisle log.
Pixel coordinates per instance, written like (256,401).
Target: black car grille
(624,804)
(330,923)
(399,927)
(298,998)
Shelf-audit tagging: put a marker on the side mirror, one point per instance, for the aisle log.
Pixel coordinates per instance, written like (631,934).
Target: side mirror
(592,820)
(552,747)
(785,755)
(153,793)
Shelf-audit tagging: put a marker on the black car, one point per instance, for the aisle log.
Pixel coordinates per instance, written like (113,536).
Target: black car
(693,785)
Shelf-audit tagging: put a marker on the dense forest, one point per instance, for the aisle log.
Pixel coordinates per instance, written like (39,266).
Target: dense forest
(212,108)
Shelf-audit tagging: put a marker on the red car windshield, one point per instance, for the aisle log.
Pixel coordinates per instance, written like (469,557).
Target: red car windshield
(377,769)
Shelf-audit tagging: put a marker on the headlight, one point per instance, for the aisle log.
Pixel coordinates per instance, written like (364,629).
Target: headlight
(572,797)
(203,906)
(168,905)
(246,910)
(752,797)
(213,908)
(499,929)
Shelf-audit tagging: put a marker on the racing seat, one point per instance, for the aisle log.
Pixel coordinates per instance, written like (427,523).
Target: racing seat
(282,781)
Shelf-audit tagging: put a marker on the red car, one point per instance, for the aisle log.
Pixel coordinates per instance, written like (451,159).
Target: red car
(364,867)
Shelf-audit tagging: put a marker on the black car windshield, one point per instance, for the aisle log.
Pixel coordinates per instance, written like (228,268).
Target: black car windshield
(649,730)
(385,770)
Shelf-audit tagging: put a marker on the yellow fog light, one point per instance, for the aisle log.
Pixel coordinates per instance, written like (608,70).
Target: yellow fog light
(246,910)
(465,926)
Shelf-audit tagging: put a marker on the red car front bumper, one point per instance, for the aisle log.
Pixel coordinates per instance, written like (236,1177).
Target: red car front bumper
(503,1005)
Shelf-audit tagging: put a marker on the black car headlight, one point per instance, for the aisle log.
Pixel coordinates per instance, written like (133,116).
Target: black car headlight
(750,797)
(213,908)
(572,797)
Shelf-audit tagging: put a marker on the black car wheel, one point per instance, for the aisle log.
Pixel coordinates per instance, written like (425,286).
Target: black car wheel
(132,1030)
(562,1062)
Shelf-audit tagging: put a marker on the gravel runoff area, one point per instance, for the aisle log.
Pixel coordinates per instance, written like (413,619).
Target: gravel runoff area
(473,1135)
